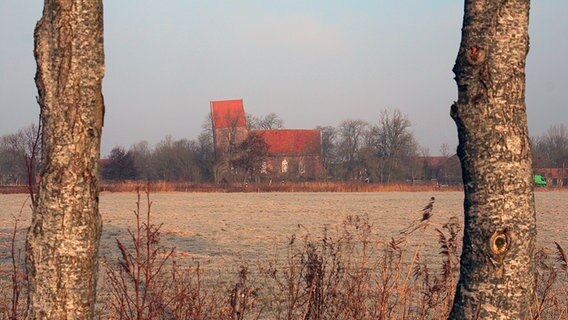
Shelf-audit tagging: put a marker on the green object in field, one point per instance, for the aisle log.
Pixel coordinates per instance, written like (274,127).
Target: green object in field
(539,180)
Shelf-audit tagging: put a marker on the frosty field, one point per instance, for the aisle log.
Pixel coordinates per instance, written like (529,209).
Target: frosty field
(219,229)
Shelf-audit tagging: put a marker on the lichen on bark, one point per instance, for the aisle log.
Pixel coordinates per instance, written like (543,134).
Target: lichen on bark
(497,273)
(62,243)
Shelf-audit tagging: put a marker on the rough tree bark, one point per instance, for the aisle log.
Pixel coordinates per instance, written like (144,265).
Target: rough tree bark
(497,275)
(63,240)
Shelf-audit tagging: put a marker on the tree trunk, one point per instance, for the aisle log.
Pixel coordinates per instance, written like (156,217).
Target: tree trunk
(63,240)
(497,274)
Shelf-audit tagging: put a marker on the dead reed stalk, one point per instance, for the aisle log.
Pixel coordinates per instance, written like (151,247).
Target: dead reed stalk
(349,272)
(138,286)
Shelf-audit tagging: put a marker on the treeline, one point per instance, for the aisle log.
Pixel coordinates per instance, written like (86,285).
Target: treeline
(384,151)
(550,150)
(356,150)
(19,155)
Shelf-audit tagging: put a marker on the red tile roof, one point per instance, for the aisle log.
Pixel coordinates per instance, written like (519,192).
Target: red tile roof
(552,172)
(435,162)
(292,142)
(228,113)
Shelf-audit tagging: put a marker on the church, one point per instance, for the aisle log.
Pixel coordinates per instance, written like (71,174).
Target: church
(293,154)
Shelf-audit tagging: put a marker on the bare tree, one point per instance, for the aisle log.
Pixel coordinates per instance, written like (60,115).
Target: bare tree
(176,160)
(329,147)
(395,144)
(351,133)
(269,122)
(369,154)
(250,155)
(226,138)
(173,160)
(551,148)
(206,154)
(19,155)
(119,166)
(63,240)
(497,272)
(206,149)
(141,154)
(445,150)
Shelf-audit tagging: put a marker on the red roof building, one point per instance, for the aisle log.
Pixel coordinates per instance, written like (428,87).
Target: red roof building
(555,177)
(285,142)
(444,170)
(228,114)
(292,154)
(434,162)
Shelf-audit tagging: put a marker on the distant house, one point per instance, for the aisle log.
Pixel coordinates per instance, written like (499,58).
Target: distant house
(292,154)
(555,177)
(443,170)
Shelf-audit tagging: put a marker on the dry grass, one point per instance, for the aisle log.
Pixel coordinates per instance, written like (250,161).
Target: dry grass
(13,280)
(312,186)
(285,186)
(352,269)
(345,273)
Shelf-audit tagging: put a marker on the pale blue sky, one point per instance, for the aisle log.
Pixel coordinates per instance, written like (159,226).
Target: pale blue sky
(311,62)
